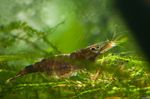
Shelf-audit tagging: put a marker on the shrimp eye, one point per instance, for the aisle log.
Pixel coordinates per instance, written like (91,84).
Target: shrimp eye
(93,49)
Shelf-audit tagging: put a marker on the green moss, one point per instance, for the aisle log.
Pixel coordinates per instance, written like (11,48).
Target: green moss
(122,70)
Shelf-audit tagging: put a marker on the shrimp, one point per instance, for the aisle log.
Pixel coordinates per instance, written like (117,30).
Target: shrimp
(64,65)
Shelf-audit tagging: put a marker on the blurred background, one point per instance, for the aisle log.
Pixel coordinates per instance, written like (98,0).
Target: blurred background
(68,24)
(34,29)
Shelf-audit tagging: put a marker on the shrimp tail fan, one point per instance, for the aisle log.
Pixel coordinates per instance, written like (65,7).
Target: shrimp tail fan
(26,70)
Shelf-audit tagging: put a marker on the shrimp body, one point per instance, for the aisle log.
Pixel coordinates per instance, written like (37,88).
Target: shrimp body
(64,65)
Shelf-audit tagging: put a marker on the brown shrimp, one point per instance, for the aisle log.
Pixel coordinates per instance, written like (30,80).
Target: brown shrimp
(63,65)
